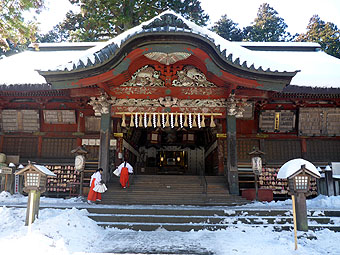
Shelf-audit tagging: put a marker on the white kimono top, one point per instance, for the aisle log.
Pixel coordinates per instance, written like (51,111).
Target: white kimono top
(129,167)
(98,177)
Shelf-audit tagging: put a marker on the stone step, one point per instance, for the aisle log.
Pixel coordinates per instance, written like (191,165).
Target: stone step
(191,218)
(202,220)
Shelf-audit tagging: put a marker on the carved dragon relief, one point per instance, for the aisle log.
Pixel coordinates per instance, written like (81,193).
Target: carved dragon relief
(190,76)
(145,76)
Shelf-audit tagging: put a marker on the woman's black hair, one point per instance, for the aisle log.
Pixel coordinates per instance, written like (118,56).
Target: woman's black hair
(100,169)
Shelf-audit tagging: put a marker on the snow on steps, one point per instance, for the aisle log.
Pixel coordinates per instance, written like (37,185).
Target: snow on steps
(188,218)
(171,190)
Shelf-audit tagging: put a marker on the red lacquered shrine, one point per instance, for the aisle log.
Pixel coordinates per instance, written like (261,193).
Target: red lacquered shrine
(176,99)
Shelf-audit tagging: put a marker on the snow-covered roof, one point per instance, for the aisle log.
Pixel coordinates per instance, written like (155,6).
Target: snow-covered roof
(317,69)
(40,168)
(293,166)
(44,170)
(21,68)
(312,46)
(233,53)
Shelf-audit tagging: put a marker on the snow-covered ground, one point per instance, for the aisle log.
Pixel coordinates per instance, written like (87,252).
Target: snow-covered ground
(70,231)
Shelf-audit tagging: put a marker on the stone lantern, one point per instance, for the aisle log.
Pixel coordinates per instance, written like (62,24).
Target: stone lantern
(256,163)
(35,177)
(299,173)
(5,172)
(79,164)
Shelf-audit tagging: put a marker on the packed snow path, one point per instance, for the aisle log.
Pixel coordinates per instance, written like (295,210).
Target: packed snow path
(71,231)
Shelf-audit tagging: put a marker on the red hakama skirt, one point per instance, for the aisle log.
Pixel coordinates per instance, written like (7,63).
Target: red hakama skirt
(124,177)
(93,196)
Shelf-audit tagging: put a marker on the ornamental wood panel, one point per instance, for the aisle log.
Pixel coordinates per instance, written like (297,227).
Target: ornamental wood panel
(323,150)
(280,151)
(25,147)
(20,120)
(58,147)
(277,121)
(59,116)
(92,124)
(244,146)
(319,121)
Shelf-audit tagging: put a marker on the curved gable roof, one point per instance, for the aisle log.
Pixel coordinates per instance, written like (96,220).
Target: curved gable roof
(171,23)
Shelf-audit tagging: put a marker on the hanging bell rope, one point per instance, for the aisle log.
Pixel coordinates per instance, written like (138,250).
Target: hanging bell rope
(176,120)
(203,121)
(194,122)
(167,123)
(212,122)
(131,120)
(123,121)
(159,120)
(185,124)
(149,121)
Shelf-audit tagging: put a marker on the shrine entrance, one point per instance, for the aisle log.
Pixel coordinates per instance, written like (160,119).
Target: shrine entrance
(182,148)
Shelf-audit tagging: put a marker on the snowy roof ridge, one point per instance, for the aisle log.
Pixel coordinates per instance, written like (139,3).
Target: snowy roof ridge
(169,21)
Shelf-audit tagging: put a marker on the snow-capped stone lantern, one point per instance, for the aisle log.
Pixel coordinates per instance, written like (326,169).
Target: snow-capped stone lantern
(299,173)
(35,183)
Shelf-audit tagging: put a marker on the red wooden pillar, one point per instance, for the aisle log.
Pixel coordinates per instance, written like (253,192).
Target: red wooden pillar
(79,141)
(1,142)
(39,146)
(104,149)
(231,169)
(303,148)
(221,155)
(81,123)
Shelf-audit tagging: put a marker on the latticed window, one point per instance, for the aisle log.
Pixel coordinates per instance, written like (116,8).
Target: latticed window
(301,182)
(32,179)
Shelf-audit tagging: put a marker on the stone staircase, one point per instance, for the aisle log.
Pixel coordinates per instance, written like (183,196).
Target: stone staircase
(170,190)
(187,218)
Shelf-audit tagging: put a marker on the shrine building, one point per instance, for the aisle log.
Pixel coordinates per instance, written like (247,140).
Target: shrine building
(175,99)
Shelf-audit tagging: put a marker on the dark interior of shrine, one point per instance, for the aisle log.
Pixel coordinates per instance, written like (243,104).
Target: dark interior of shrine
(174,150)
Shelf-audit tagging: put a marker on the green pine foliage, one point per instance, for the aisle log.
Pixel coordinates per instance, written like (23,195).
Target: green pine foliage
(268,26)
(13,28)
(104,19)
(326,34)
(228,29)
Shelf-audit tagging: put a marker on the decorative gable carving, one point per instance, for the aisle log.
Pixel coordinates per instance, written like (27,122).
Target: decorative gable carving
(167,58)
(190,76)
(145,76)
(167,20)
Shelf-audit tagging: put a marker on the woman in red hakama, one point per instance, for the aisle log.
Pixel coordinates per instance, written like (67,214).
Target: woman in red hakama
(124,169)
(96,179)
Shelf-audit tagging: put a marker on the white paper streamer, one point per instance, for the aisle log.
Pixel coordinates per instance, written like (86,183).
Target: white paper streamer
(172,120)
(181,120)
(199,120)
(154,120)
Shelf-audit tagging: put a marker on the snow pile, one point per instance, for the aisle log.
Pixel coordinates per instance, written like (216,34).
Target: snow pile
(56,231)
(7,199)
(321,201)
